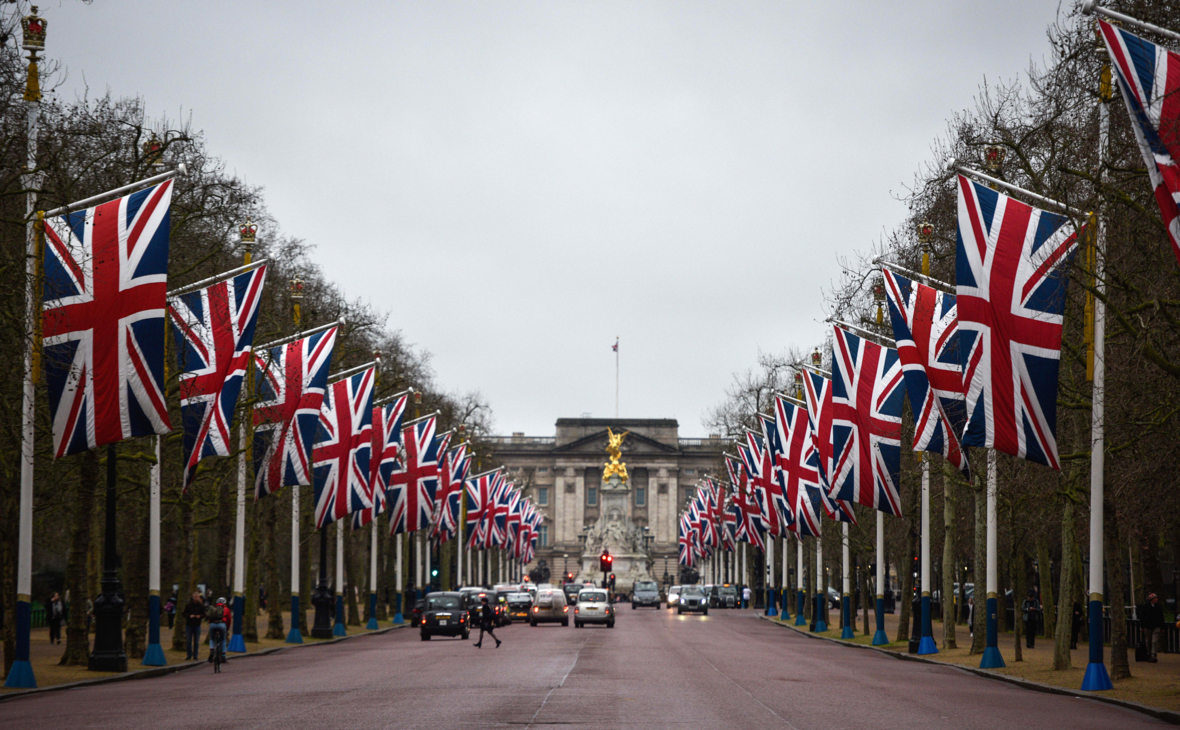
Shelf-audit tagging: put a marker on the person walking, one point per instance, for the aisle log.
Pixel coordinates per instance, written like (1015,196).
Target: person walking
(1030,612)
(170,609)
(746,597)
(193,612)
(1151,618)
(55,612)
(487,620)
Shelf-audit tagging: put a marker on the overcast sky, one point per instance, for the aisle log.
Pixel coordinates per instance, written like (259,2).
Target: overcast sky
(518,183)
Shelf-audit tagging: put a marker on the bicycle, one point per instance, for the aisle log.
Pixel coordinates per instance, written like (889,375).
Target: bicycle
(218,638)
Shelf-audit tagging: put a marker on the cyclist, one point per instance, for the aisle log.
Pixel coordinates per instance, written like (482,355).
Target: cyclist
(218,616)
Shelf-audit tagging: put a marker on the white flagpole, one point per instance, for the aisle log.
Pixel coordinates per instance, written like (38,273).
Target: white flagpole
(991,653)
(154,655)
(771,610)
(401,584)
(821,592)
(879,636)
(846,589)
(372,623)
(237,642)
(926,645)
(338,628)
(616,376)
(295,635)
(799,578)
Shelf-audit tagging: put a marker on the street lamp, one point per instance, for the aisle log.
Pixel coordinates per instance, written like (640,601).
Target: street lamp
(993,158)
(248,233)
(296,299)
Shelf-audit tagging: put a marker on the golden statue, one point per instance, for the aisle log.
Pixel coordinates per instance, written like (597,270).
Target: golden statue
(614,447)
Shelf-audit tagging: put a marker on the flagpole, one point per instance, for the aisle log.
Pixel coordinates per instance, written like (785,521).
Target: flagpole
(846,593)
(771,603)
(1090,6)
(784,582)
(338,626)
(21,673)
(1096,677)
(616,376)
(926,645)
(154,654)
(879,638)
(237,642)
(799,581)
(821,593)
(295,635)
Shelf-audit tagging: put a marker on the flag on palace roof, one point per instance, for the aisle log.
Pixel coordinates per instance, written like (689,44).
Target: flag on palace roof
(213,332)
(1149,77)
(926,329)
(290,381)
(1011,276)
(414,478)
(105,281)
(343,448)
(867,393)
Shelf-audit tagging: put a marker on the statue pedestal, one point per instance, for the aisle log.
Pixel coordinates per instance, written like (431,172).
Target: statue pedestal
(614,531)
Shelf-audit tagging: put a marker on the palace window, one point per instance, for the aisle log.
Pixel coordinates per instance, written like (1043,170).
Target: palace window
(690,471)
(542,470)
(592,496)
(543,532)
(542,495)
(640,496)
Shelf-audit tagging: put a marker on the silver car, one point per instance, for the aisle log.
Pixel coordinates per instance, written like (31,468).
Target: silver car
(673,596)
(692,598)
(594,607)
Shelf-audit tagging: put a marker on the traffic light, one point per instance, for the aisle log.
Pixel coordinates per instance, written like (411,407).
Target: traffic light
(612,580)
(605,561)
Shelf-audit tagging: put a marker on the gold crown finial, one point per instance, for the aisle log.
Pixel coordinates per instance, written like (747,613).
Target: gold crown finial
(993,157)
(297,289)
(33,31)
(153,151)
(248,232)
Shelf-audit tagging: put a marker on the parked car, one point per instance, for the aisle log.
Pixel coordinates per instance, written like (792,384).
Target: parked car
(673,596)
(519,605)
(645,593)
(594,607)
(443,615)
(693,598)
(571,591)
(550,606)
(724,597)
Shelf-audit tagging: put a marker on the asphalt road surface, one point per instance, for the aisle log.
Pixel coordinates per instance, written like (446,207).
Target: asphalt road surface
(653,670)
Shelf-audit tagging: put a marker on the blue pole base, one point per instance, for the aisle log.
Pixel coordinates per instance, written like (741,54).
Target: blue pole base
(927,646)
(879,638)
(847,632)
(237,644)
(772,604)
(799,620)
(154,656)
(820,626)
(398,620)
(294,636)
(1096,679)
(21,676)
(338,629)
(992,659)
(372,625)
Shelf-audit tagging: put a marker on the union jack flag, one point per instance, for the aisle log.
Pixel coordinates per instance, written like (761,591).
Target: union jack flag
(290,381)
(1149,76)
(451,476)
(767,490)
(479,499)
(926,329)
(414,478)
(684,540)
(105,281)
(866,423)
(749,527)
(818,391)
(214,332)
(1011,277)
(387,433)
(497,529)
(798,466)
(343,450)
(729,521)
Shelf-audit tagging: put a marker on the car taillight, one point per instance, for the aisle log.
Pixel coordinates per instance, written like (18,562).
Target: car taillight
(536,610)
(575,610)
(565,609)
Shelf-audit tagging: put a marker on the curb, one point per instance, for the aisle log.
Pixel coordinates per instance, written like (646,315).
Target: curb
(174,668)
(1156,712)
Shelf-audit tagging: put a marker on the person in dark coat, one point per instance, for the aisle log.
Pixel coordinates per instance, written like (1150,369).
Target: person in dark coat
(1030,612)
(487,622)
(1076,621)
(193,612)
(1151,618)
(55,613)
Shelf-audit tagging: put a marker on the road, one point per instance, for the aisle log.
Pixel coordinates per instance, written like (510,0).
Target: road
(653,670)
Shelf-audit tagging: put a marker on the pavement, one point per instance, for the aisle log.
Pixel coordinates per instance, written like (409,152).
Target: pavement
(653,670)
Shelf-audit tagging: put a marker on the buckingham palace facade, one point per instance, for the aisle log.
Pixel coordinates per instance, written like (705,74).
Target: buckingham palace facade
(562,475)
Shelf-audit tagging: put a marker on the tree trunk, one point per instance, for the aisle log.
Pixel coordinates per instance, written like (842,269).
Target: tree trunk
(947,598)
(274,587)
(185,569)
(1016,570)
(1061,656)
(979,574)
(906,574)
(1045,574)
(350,578)
(1120,668)
(307,535)
(77,651)
(386,576)
(866,595)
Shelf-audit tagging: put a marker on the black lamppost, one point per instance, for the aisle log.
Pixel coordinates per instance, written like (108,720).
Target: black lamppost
(322,597)
(108,653)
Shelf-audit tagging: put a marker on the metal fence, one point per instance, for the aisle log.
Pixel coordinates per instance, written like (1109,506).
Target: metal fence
(1169,642)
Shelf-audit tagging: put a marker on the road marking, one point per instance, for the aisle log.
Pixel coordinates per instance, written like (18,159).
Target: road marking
(560,684)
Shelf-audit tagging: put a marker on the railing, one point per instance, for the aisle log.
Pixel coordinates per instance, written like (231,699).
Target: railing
(714,442)
(522,440)
(1169,642)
